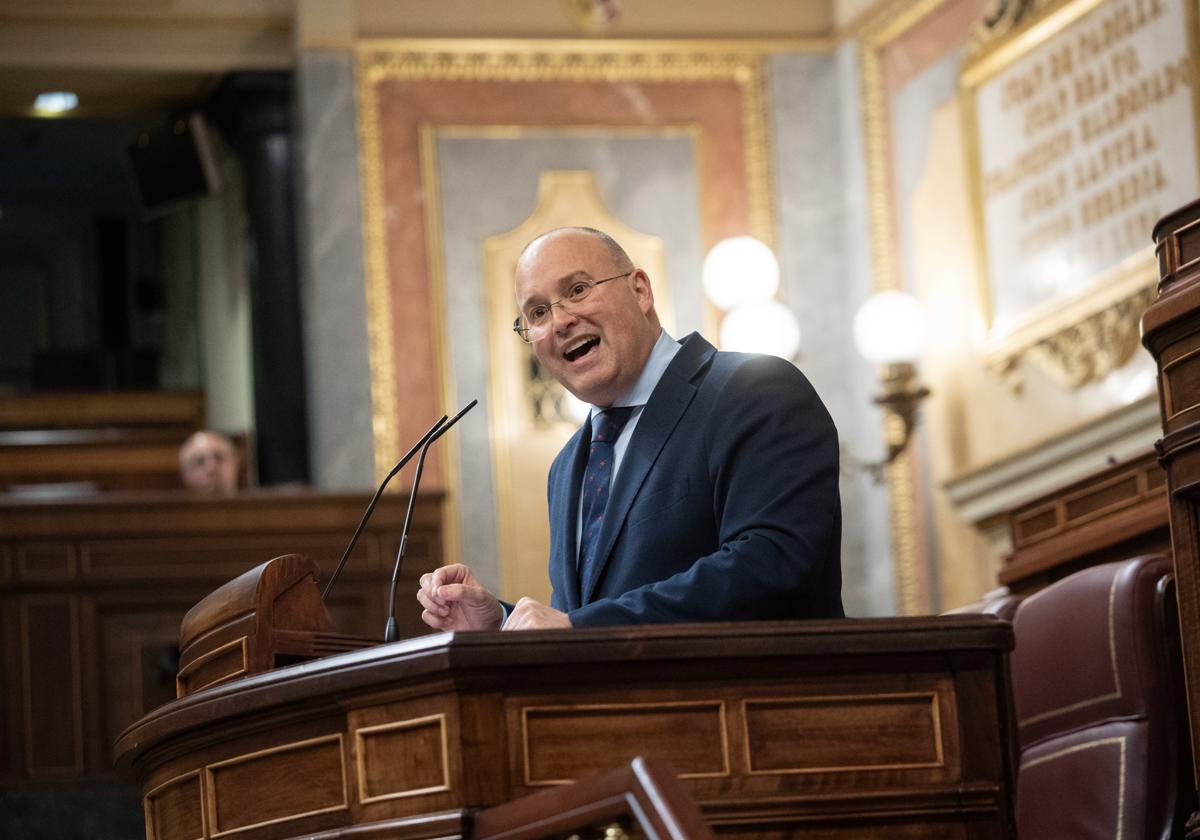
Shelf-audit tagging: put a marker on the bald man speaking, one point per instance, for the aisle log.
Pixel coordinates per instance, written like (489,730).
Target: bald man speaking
(704,486)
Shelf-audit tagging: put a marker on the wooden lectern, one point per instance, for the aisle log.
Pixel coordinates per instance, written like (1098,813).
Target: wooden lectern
(831,729)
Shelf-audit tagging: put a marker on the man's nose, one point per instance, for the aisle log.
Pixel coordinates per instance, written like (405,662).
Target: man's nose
(562,316)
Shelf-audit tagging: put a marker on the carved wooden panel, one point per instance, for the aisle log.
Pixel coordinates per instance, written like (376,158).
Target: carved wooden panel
(564,743)
(1180,379)
(275,785)
(174,810)
(404,758)
(834,733)
(1186,248)
(1116,513)
(911,742)
(215,667)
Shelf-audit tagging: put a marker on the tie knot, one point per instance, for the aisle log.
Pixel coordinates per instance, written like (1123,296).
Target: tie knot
(609,423)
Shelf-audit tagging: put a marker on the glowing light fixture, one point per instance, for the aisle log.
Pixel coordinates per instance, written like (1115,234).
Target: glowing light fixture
(762,326)
(739,270)
(56,102)
(889,330)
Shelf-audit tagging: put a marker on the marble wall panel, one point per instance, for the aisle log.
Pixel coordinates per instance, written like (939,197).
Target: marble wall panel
(338,371)
(825,265)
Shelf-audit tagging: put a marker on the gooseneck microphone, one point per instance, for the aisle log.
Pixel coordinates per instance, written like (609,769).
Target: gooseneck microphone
(392,632)
(425,439)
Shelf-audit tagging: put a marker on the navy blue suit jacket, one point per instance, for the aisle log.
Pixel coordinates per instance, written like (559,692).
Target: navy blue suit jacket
(725,506)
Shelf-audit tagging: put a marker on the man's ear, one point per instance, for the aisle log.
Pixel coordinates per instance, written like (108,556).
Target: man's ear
(640,282)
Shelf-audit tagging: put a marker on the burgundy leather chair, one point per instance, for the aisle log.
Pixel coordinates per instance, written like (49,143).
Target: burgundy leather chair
(1097,680)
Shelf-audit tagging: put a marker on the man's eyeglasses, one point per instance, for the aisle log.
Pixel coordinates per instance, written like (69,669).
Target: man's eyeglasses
(535,324)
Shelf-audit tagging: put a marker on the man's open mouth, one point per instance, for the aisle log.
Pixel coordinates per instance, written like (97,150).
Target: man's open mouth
(578,351)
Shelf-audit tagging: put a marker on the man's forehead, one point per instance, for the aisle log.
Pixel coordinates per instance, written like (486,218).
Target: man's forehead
(555,259)
(207,441)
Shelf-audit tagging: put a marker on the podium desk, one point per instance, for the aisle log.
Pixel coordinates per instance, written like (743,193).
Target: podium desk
(833,729)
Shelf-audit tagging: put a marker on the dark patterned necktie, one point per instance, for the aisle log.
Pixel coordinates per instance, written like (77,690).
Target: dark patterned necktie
(606,428)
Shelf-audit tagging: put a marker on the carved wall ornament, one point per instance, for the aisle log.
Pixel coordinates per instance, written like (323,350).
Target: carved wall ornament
(1084,339)
(1001,20)
(1091,349)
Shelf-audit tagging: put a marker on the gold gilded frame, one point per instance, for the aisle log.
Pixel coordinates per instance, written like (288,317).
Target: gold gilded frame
(888,24)
(741,62)
(1082,338)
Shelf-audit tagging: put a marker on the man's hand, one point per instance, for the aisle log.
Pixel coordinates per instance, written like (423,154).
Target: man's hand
(454,599)
(528,614)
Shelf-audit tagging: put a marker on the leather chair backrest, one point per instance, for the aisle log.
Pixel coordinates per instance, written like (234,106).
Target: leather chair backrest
(1096,687)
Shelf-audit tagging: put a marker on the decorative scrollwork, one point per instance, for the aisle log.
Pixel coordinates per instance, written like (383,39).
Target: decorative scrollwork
(1086,351)
(1002,18)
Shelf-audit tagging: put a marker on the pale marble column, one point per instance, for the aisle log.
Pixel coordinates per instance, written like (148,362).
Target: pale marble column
(824,252)
(333,279)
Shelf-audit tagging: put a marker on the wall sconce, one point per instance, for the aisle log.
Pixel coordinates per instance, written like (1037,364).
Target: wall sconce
(889,330)
(741,275)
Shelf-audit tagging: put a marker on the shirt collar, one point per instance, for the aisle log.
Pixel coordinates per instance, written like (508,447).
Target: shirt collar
(661,354)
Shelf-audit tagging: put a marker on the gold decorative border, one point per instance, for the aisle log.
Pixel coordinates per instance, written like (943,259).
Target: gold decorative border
(380,338)
(719,705)
(443,358)
(515,60)
(891,22)
(360,760)
(1082,338)
(935,718)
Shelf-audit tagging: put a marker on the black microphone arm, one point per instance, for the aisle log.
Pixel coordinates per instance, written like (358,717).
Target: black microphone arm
(374,501)
(392,632)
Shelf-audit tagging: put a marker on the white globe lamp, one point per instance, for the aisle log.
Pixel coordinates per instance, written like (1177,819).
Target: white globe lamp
(889,328)
(739,270)
(765,326)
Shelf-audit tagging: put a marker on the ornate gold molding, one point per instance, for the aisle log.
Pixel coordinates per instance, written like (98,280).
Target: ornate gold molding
(891,22)
(1082,340)
(1019,26)
(380,340)
(1091,349)
(740,62)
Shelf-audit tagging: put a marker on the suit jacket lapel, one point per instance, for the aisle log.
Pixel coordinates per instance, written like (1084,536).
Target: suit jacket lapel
(666,405)
(564,513)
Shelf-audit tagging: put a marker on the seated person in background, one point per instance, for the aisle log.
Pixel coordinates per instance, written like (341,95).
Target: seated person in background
(208,463)
(704,486)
